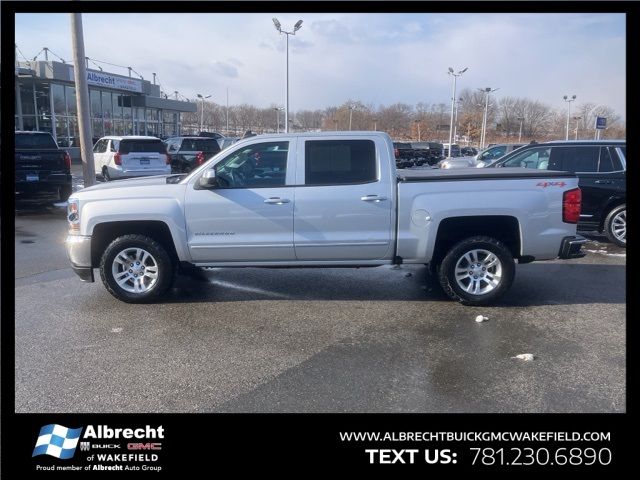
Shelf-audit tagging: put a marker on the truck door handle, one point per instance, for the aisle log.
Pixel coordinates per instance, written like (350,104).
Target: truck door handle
(605,182)
(276,200)
(373,198)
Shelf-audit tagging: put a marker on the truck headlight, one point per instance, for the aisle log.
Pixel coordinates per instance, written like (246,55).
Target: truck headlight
(73,216)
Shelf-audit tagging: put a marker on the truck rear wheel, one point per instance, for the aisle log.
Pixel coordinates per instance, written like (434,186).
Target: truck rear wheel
(136,269)
(477,271)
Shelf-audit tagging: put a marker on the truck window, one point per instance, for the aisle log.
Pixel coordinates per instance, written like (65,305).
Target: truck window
(340,162)
(259,165)
(35,141)
(606,162)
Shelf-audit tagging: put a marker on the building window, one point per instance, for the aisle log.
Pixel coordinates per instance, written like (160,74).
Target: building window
(26,99)
(59,105)
(70,93)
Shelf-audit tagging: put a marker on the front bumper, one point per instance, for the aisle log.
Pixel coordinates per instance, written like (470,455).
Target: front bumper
(571,247)
(79,253)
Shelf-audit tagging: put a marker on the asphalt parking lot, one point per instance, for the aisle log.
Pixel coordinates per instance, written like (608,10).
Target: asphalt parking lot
(315,340)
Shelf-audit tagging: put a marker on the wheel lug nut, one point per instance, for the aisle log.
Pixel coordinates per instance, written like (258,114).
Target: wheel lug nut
(484,268)
(470,273)
(132,265)
(475,277)
(130,271)
(135,276)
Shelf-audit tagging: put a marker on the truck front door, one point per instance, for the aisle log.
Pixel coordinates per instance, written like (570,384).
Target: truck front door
(248,217)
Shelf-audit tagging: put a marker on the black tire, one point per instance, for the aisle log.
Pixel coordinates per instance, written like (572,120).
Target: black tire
(165,268)
(447,271)
(64,192)
(105,174)
(615,216)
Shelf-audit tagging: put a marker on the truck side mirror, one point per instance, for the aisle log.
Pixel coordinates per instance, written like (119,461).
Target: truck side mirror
(208,179)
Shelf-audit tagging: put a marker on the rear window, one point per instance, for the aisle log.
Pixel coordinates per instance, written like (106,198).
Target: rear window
(30,141)
(575,159)
(337,162)
(200,145)
(131,146)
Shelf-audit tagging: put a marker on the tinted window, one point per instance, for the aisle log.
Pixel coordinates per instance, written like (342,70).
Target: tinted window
(130,146)
(200,145)
(531,158)
(254,166)
(606,162)
(494,152)
(575,159)
(335,162)
(35,141)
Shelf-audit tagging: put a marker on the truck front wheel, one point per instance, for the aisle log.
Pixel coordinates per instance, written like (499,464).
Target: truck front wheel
(477,270)
(136,269)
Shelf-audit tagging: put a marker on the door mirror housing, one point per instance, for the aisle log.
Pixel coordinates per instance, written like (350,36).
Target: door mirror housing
(208,179)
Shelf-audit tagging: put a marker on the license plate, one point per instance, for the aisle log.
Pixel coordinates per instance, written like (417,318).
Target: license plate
(32,177)
(144,161)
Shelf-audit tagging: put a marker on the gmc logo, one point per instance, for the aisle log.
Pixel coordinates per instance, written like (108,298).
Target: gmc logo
(144,446)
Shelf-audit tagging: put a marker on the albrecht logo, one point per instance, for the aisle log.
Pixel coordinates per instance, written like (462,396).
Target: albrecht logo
(57,441)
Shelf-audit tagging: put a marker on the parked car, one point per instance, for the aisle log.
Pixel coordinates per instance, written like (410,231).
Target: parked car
(405,156)
(41,166)
(323,200)
(421,152)
(468,151)
(491,154)
(601,167)
(455,150)
(130,156)
(186,153)
(227,142)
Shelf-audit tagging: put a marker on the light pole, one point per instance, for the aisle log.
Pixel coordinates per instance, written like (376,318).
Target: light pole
(417,122)
(201,97)
(568,100)
(351,109)
(455,120)
(296,27)
(375,124)
(577,119)
(453,101)
(278,110)
(520,119)
(486,91)
(335,124)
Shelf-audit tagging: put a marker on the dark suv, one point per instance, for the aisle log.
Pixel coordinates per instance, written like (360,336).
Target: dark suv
(188,153)
(602,171)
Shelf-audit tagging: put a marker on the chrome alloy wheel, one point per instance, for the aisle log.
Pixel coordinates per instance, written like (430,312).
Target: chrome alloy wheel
(135,270)
(619,226)
(478,272)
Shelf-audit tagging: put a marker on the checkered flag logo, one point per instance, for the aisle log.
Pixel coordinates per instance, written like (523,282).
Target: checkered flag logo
(57,441)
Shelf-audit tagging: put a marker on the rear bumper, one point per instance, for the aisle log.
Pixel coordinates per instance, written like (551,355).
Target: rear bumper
(571,247)
(79,253)
(47,182)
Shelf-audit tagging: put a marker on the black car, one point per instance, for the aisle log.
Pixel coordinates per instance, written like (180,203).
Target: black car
(188,153)
(601,167)
(41,167)
(468,151)
(404,153)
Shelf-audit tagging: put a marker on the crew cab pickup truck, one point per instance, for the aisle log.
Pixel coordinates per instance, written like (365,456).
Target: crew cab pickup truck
(323,199)
(41,167)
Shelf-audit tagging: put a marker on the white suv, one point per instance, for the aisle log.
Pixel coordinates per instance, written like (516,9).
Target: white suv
(130,156)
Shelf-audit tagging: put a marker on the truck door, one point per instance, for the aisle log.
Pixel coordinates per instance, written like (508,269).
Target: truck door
(249,216)
(344,200)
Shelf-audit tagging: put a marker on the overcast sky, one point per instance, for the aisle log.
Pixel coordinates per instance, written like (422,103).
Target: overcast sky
(379,59)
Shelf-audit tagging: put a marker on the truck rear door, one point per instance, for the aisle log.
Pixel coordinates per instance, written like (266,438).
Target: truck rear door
(343,200)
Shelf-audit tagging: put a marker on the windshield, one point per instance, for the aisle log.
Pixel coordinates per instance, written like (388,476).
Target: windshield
(32,141)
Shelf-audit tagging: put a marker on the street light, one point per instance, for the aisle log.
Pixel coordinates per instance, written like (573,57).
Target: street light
(577,119)
(455,121)
(568,100)
(486,92)
(296,27)
(278,110)
(375,124)
(351,109)
(335,124)
(417,122)
(202,111)
(520,119)
(453,101)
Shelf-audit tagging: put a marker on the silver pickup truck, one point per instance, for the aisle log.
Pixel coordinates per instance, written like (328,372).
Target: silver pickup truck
(323,199)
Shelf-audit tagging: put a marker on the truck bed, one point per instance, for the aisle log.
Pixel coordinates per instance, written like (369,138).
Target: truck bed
(431,175)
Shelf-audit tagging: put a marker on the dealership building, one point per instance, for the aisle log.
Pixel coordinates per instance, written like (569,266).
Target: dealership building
(120,105)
